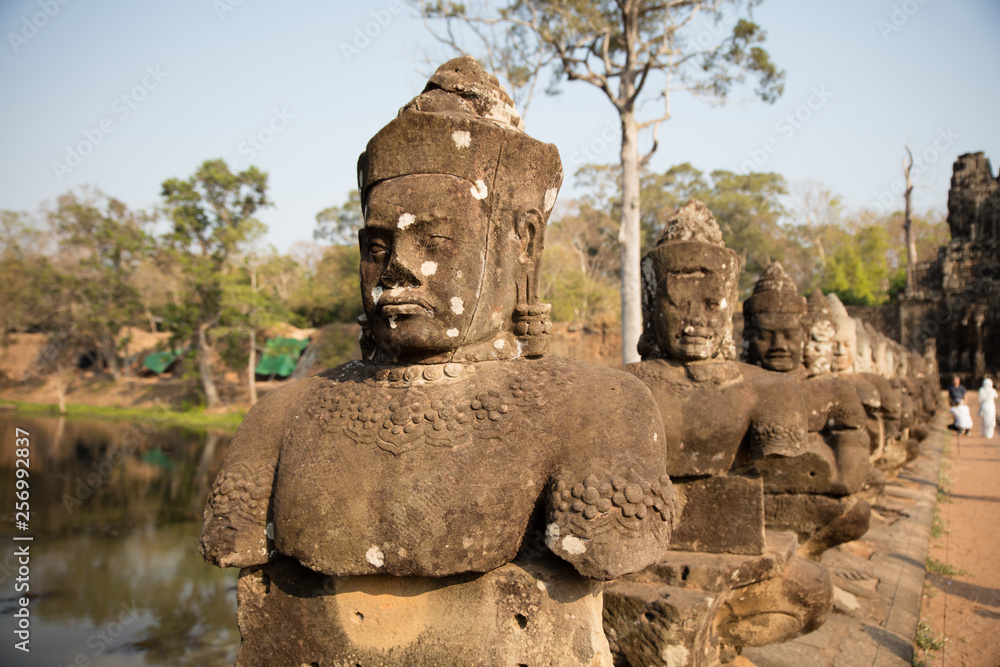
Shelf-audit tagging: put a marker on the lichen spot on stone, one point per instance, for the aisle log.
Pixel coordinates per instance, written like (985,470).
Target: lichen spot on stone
(676,656)
(375,556)
(405,220)
(457,305)
(429,268)
(452,333)
(461,138)
(572,544)
(269,531)
(479,190)
(648,275)
(376,294)
(552,534)
(550,198)
(499,343)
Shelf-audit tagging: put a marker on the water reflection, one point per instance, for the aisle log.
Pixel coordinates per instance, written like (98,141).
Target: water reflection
(115,578)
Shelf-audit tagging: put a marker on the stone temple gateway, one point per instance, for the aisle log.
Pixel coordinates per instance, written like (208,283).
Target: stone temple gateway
(955,297)
(457,497)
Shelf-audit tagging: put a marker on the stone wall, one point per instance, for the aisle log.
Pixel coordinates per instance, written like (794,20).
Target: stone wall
(884,318)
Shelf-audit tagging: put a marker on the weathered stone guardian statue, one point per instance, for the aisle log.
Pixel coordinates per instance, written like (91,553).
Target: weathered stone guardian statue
(737,587)
(455,497)
(810,494)
(891,452)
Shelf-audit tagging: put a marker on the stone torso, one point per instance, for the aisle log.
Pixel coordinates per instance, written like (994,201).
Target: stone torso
(721,415)
(436,470)
(423,484)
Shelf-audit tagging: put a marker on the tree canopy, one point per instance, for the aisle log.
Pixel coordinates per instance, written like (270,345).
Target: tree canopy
(630,50)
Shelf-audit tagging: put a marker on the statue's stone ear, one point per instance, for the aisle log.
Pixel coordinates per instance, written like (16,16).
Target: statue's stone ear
(529,227)
(532,320)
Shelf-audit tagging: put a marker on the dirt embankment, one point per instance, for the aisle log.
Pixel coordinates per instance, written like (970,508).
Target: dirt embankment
(34,373)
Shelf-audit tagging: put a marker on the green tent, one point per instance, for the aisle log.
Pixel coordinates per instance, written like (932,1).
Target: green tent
(160,361)
(280,356)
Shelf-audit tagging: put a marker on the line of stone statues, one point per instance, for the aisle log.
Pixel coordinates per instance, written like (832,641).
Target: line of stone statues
(458,498)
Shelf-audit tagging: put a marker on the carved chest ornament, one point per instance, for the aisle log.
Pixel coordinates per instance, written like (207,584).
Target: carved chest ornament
(440,405)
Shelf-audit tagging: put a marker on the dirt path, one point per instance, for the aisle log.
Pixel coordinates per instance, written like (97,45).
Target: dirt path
(965,608)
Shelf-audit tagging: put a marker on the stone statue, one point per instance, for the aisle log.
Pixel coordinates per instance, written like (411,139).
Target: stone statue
(721,417)
(773,337)
(454,496)
(817,354)
(811,494)
(863,362)
(892,409)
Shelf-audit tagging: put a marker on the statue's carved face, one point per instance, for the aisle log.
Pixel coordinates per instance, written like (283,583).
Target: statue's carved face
(692,314)
(777,342)
(817,354)
(423,251)
(845,344)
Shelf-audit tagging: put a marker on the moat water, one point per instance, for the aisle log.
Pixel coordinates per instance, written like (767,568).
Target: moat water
(114,575)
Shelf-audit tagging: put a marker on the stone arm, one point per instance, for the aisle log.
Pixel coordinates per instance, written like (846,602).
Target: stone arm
(779,419)
(612,506)
(236,531)
(833,404)
(931,397)
(891,409)
(908,407)
(836,408)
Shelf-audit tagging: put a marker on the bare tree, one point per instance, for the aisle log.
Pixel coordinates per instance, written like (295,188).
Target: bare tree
(911,241)
(624,48)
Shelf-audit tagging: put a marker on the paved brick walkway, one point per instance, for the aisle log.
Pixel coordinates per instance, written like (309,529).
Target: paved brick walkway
(965,608)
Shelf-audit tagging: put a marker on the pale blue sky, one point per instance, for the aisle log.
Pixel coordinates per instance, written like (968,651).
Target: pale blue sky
(198,81)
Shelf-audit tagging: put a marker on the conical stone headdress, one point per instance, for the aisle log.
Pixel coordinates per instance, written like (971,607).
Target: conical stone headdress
(774,292)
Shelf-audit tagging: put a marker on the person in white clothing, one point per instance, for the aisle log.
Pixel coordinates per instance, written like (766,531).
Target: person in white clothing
(988,408)
(963,419)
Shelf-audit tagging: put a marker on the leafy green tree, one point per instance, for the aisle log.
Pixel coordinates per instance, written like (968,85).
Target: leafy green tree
(664,193)
(330,293)
(339,225)
(249,304)
(33,294)
(748,208)
(211,215)
(857,267)
(579,270)
(749,211)
(106,242)
(630,50)
(861,255)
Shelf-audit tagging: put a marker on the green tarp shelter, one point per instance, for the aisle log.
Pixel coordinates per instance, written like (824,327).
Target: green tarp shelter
(280,356)
(160,361)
